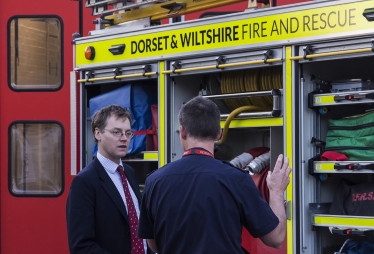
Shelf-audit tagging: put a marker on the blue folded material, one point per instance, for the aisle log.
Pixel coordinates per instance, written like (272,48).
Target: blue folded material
(356,247)
(138,100)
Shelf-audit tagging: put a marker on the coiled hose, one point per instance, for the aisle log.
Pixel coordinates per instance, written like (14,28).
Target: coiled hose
(250,80)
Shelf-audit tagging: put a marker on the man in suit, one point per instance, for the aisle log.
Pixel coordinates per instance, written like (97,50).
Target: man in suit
(102,209)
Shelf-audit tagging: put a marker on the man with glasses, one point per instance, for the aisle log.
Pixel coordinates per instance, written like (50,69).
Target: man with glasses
(102,209)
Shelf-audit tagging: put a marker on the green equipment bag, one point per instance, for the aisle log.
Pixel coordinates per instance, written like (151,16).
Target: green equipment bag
(352,136)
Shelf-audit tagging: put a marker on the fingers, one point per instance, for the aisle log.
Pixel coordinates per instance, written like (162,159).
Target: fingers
(285,168)
(278,163)
(269,174)
(286,162)
(282,163)
(279,179)
(288,170)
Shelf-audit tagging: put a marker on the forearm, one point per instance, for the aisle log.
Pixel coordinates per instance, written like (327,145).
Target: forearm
(277,181)
(276,202)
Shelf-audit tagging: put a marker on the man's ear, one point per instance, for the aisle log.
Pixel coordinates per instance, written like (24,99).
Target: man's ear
(219,136)
(183,132)
(97,134)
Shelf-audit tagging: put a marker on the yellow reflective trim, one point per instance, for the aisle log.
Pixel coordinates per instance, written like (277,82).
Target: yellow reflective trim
(161,118)
(150,156)
(309,23)
(263,122)
(323,99)
(221,66)
(326,166)
(334,53)
(288,116)
(363,222)
(147,74)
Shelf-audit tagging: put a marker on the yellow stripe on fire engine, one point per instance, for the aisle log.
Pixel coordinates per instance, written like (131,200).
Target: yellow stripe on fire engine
(162,118)
(323,99)
(289,144)
(245,123)
(340,221)
(328,20)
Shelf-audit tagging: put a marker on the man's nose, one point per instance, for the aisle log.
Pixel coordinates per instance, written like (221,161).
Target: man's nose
(124,137)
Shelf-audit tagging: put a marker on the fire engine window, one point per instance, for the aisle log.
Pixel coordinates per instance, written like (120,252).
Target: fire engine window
(35,53)
(36,161)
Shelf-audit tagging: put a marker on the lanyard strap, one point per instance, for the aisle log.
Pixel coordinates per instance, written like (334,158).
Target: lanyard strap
(198,151)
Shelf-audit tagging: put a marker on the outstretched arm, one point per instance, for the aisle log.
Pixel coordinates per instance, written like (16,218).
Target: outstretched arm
(277,182)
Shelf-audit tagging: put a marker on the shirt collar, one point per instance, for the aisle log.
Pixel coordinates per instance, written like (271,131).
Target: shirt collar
(109,165)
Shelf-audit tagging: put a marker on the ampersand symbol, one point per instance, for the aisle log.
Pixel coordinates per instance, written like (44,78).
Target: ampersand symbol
(174,42)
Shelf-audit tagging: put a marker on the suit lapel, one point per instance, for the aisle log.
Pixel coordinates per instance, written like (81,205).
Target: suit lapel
(110,188)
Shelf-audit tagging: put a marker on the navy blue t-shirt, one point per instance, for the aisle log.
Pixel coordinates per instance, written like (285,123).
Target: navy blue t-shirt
(199,204)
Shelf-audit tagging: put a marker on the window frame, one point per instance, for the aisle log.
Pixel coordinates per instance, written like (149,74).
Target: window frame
(10,158)
(9,54)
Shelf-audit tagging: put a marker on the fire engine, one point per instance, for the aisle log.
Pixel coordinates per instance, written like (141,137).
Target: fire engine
(281,73)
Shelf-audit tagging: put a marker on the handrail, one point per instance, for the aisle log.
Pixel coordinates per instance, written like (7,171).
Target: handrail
(221,66)
(243,94)
(335,53)
(243,111)
(147,74)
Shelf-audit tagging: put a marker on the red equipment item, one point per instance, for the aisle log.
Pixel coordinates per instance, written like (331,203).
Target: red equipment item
(260,178)
(154,110)
(249,243)
(333,156)
(152,134)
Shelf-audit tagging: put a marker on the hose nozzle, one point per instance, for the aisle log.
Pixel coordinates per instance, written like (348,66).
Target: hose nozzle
(259,163)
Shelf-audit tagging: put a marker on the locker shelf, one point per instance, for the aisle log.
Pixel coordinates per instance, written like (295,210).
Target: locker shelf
(260,122)
(341,221)
(143,156)
(339,224)
(150,156)
(343,167)
(341,98)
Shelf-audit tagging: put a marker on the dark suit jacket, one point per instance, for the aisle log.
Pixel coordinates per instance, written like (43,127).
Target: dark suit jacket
(96,216)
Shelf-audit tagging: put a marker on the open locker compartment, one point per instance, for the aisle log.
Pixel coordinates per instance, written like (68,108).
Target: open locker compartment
(118,90)
(244,132)
(331,87)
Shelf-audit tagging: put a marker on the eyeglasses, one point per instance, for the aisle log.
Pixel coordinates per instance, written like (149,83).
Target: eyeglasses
(118,134)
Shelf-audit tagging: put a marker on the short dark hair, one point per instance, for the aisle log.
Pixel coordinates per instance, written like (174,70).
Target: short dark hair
(100,118)
(200,117)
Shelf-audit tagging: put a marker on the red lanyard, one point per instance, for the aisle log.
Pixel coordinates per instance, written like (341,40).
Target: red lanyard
(197,151)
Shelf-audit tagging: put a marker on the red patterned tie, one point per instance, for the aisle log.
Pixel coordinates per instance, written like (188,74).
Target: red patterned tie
(137,243)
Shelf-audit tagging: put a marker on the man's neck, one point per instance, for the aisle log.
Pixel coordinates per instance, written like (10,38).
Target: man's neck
(207,145)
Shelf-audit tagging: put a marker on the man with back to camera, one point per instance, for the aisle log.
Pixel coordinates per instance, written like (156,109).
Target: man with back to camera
(102,209)
(198,204)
